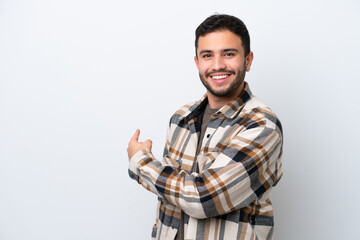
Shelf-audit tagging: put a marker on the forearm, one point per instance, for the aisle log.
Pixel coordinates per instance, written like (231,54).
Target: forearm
(233,181)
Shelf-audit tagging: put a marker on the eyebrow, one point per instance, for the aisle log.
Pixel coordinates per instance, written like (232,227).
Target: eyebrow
(205,51)
(222,50)
(230,50)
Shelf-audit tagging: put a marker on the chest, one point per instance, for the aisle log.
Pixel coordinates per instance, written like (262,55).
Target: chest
(184,142)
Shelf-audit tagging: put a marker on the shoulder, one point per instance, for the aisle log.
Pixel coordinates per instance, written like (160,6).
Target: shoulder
(185,109)
(258,113)
(188,110)
(182,112)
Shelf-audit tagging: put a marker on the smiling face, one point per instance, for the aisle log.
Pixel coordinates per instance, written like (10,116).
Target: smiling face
(222,65)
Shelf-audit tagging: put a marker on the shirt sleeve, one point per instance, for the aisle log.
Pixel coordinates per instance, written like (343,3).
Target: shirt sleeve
(247,167)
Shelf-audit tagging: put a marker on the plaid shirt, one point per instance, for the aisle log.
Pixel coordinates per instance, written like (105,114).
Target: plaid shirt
(225,189)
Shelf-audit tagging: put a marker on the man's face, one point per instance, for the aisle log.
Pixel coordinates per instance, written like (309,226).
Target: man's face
(222,64)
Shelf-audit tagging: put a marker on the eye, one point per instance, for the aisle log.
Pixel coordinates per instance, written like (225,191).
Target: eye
(206,55)
(229,54)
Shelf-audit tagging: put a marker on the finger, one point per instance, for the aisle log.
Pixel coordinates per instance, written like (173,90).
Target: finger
(148,144)
(135,137)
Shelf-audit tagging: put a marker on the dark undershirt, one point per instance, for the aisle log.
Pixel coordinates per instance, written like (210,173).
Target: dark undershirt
(205,121)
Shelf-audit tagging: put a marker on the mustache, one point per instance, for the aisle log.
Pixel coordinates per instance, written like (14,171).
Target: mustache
(224,71)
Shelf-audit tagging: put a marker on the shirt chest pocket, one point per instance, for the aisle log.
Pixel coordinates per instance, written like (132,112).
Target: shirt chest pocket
(214,142)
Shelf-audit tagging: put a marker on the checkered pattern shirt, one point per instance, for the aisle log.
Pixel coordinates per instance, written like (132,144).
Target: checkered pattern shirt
(225,189)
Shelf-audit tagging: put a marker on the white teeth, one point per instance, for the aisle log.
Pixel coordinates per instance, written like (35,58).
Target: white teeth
(219,77)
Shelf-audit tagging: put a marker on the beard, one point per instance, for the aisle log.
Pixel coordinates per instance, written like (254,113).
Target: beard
(233,86)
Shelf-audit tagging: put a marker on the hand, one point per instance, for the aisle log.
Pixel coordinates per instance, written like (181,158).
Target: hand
(135,145)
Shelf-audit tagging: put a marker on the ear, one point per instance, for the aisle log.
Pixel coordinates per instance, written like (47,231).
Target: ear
(196,62)
(249,59)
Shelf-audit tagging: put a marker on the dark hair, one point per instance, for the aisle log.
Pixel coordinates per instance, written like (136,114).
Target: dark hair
(219,22)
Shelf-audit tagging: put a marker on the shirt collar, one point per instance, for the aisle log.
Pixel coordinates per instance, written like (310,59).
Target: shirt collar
(230,110)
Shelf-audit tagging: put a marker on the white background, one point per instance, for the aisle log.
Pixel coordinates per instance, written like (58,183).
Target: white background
(78,77)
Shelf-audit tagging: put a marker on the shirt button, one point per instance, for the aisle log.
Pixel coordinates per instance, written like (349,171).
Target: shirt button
(208,135)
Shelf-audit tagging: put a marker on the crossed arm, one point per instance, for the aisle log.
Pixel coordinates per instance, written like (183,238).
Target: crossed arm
(241,173)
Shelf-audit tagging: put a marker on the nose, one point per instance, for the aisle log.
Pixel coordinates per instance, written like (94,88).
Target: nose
(218,64)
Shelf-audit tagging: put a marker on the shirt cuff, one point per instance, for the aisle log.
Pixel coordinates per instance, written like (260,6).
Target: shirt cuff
(134,161)
(136,158)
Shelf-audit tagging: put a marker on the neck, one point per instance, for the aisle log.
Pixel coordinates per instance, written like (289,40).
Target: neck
(216,102)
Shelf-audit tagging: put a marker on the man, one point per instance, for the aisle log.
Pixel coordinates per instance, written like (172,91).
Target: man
(222,154)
